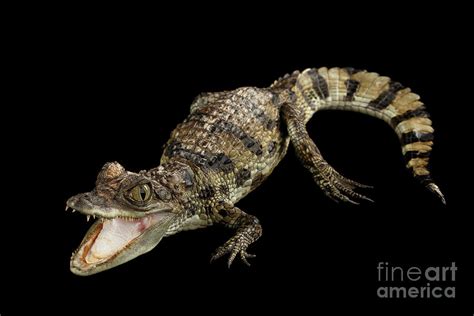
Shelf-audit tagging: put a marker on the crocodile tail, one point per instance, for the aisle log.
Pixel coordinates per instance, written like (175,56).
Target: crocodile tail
(368,92)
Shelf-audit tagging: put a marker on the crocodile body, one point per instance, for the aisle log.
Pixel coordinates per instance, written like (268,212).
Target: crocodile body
(228,145)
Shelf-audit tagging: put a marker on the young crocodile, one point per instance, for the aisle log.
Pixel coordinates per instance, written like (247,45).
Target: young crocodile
(229,144)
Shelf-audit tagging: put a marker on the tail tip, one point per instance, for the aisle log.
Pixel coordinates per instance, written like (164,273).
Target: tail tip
(435,189)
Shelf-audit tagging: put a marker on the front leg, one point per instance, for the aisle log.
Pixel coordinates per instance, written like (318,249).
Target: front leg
(248,230)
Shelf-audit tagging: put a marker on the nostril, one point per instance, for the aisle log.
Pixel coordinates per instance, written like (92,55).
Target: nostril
(71,202)
(79,200)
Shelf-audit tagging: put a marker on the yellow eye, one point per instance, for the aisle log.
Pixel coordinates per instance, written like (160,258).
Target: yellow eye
(140,193)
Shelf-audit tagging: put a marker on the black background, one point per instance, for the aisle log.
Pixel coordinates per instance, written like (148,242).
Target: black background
(113,91)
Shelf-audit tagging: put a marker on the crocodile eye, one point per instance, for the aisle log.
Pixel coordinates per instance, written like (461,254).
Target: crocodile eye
(140,193)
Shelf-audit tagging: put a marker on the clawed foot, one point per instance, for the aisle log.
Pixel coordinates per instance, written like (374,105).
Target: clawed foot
(339,188)
(237,245)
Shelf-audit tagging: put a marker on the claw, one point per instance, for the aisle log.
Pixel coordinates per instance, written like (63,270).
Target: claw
(231,259)
(244,256)
(244,260)
(351,183)
(234,248)
(215,256)
(339,188)
(362,186)
(354,194)
(363,197)
(435,189)
(351,201)
(344,198)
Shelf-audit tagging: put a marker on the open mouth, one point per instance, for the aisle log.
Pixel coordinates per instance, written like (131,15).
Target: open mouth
(113,241)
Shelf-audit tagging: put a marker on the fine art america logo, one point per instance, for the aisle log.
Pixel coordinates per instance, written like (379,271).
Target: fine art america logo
(418,282)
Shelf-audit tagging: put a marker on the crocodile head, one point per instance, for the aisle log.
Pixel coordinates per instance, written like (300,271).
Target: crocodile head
(134,211)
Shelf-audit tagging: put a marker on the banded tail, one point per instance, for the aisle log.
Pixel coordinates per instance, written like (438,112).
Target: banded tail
(375,95)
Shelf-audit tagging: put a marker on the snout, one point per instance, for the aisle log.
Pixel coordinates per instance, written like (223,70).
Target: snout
(80,202)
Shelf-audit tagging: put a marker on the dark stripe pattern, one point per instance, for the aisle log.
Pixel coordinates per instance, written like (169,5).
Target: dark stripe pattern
(351,86)
(386,97)
(319,84)
(412,137)
(351,71)
(271,148)
(257,111)
(216,162)
(227,127)
(416,154)
(221,126)
(423,179)
(207,192)
(420,112)
(242,176)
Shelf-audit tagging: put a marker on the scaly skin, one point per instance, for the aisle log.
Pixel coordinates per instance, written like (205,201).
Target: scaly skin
(229,144)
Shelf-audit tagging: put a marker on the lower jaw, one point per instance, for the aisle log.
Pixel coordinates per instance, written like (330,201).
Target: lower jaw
(93,255)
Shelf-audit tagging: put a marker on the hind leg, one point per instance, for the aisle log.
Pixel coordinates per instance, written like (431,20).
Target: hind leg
(329,180)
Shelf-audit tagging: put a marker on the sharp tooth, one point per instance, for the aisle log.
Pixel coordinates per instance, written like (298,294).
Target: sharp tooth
(93,216)
(66,208)
(73,210)
(88,217)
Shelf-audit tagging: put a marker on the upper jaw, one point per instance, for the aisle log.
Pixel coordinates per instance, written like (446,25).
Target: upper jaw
(82,203)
